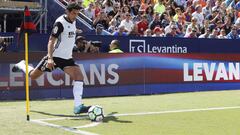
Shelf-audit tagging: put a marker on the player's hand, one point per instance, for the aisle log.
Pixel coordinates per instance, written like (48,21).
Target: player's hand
(50,64)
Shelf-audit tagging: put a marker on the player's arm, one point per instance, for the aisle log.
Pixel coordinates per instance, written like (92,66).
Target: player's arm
(57,30)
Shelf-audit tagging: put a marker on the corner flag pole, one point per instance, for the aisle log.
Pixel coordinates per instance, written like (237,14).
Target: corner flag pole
(27,78)
(27,27)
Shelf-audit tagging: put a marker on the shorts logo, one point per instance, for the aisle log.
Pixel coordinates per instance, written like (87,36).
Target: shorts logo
(137,46)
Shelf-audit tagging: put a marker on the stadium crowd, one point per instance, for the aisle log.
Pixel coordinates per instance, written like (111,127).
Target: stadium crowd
(165,18)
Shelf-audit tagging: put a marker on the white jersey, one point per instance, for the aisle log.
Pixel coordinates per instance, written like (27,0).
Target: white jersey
(65,31)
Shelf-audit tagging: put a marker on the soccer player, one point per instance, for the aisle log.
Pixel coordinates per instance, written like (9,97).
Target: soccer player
(60,46)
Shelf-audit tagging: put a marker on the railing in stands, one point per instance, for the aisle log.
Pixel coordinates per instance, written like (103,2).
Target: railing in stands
(82,18)
(63,4)
(18,4)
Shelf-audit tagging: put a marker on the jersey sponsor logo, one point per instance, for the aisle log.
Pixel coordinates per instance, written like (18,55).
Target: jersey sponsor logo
(71,34)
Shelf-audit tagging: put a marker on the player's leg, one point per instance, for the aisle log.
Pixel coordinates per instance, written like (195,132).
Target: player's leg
(21,66)
(34,73)
(75,73)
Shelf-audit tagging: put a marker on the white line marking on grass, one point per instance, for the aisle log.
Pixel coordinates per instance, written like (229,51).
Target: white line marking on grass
(69,129)
(93,124)
(147,113)
(63,118)
(75,129)
(176,111)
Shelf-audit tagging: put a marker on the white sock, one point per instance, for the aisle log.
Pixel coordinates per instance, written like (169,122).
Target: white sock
(77,92)
(22,66)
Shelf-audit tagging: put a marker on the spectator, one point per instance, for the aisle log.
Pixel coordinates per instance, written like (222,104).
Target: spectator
(173,32)
(89,11)
(87,2)
(137,17)
(181,3)
(116,9)
(115,47)
(192,25)
(168,28)
(134,31)
(135,7)
(108,6)
(188,14)
(205,27)
(159,7)
(222,34)
(227,24)
(192,34)
(217,5)
(179,16)
(207,9)
(233,34)
(101,19)
(158,32)
(165,20)
(126,9)
(149,12)
(199,15)
(112,26)
(120,31)
(170,9)
(156,22)
(148,33)
(143,24)
(206,34)
(97,9)
(127,22)
(219,24)
(99,29)
(214,33)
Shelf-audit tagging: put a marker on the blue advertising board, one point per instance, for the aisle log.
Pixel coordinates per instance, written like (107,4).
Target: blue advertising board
(133,44)
(125,74)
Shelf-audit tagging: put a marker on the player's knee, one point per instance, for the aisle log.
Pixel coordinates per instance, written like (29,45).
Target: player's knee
(33,77)
(77,76)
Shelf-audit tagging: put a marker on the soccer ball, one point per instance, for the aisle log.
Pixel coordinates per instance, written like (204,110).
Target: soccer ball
(95,113)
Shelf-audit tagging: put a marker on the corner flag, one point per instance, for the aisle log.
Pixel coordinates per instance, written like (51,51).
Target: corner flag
(27,27)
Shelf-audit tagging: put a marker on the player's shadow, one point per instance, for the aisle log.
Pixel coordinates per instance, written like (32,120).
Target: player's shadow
(57,115)
(112,117)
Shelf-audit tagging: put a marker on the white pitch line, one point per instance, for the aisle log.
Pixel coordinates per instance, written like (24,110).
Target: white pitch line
(149,113)
(176,111)
(74,129)
(63,118)
(93,124)
(69,129)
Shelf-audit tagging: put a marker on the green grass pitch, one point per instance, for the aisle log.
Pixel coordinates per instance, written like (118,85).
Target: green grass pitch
(168,114)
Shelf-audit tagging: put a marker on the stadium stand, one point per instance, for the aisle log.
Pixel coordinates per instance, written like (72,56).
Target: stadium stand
(209,15)
(18,4)
(12,13)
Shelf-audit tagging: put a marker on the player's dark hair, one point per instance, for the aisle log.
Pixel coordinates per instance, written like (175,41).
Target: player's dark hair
(72,6)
